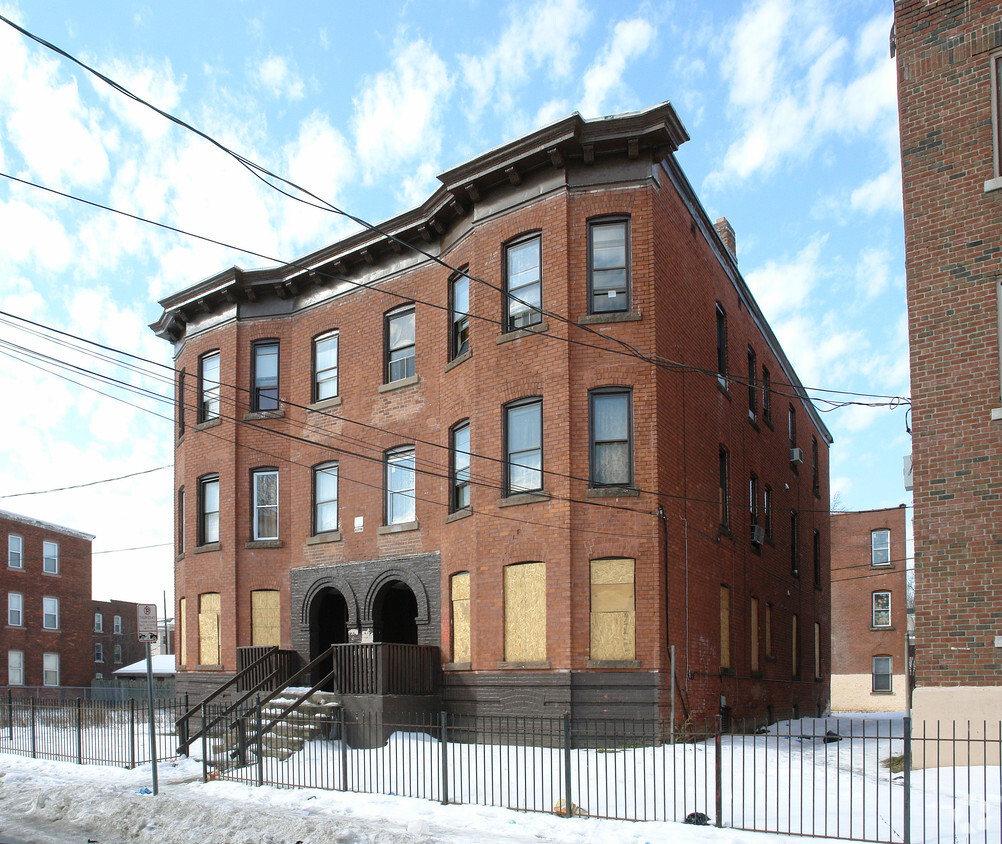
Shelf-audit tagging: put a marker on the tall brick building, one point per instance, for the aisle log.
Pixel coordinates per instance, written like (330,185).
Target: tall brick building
(538,423)
(46,586)
(869,611)
(949,59)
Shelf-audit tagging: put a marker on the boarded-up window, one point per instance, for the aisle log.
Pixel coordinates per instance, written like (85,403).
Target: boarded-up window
(461,617)
(266,623)
(725,627)
(525,612)
(181,630)
(768,630)
(208,628)
(613,614)
(754,634)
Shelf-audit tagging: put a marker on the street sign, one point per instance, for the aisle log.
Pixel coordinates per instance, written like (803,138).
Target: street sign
(146,616)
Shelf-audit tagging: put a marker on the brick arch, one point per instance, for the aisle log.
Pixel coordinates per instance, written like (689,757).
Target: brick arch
(523,551)
(415,584)
(331,582)
(521,388)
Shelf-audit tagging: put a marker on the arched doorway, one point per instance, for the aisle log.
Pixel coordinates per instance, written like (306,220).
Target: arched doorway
(395,614)
(328,626)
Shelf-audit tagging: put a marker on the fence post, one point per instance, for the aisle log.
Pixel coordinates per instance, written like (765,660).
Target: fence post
(79,732)
(205,743)
(132,732)
(33,756)
(445,758)
(906,833)
(260,743)
(717,774)
(567,765)
(344,748)
(10,714)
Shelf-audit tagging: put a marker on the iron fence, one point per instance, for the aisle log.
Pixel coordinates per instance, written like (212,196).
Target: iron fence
(88,732)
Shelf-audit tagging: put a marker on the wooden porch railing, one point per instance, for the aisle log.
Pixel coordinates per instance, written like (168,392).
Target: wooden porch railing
(255,674)
(383,668)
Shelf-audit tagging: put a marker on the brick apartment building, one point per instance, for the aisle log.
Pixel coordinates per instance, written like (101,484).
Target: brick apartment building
(46,587)
(115,637)
(869,611)
(558,441)
(949,61)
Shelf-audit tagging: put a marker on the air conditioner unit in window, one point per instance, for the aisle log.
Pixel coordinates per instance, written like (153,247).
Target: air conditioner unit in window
(757,534)
(796,456)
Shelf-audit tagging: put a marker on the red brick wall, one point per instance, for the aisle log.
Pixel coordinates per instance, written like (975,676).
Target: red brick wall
(952,228)
(71,587)
(680,420)
(854,580)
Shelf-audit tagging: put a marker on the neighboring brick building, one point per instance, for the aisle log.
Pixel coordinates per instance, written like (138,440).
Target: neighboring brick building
(869,611)
(372,446)
(46,585)
(116,638)
(949,59)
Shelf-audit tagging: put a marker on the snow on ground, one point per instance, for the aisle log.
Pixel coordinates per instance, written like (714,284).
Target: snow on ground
(43,802)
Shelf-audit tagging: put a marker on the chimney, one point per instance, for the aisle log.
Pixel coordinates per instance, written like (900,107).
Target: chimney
(726,235)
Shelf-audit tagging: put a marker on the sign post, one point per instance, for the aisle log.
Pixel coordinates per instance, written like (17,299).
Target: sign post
(147,627)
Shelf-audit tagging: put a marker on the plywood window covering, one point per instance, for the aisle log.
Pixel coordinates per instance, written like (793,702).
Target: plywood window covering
(613,610)
(181,630)
(208,628)
(725,627)
(768,630)
(266,622)
(461,617)
(525,612)
(754,635)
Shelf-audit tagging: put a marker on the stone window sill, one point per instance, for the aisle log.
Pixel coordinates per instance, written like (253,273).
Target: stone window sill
(216,667)
(459,514)
(326,404)
(205,549)
(179,557)
(881,629)
(403,527)
(324,538)
(722,386)
(993,184)
(625,664)
(613,316)
(612,492)
(518,333)
(524,666)
(523,498)
(208,423)
(887,692)
(256,415)
(400,383)
(457,666)
(465,356)
(264,543)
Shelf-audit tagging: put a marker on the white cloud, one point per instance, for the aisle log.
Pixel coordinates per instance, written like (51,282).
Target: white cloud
(605,75)
(540,38)
(782,287)
(755,61)
(276,76)
(28,234)
(151,80)
(873,272)
(397,114)
(881,193)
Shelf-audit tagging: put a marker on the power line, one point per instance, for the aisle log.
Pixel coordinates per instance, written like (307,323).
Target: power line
(264,174)
(89,483)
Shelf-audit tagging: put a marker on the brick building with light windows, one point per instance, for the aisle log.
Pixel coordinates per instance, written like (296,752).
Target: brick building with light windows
(869,611)
(46,586)
(516,430)
(949,67)
(115,637)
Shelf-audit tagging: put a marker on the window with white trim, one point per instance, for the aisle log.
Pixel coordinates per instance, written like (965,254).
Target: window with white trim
(265,482)
(98,652)
(50,669)
(400,334)
(880,547)
(98,622)
(50,557)
(208,509)
(400,488)
(50,613)
(325,351)
(881,609)
(208,387)
(523,446)
(459,467)
(15,668)
(882,674)
(15,609)
(325,498)
(15,551)
(523,284)
(459,315)
(117,624)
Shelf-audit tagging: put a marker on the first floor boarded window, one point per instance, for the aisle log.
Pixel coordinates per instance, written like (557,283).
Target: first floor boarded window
(266,622)
(525,612)
(613,610)
(725,627)
(461,617)
(208,628)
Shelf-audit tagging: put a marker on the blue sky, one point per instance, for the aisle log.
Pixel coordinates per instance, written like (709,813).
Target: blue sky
(790,105)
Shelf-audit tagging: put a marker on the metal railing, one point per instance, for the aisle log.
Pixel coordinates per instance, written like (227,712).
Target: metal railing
(383,668)
(88,732)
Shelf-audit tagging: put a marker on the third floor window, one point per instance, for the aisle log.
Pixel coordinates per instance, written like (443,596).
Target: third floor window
(325,366)
(608,266)
(264,392)
(400,344)
(208,387)
(459,316)
(523,284)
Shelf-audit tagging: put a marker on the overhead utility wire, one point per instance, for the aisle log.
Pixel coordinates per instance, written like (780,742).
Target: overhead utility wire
(346,478)
(735,505)
(260,172)
(89,483)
